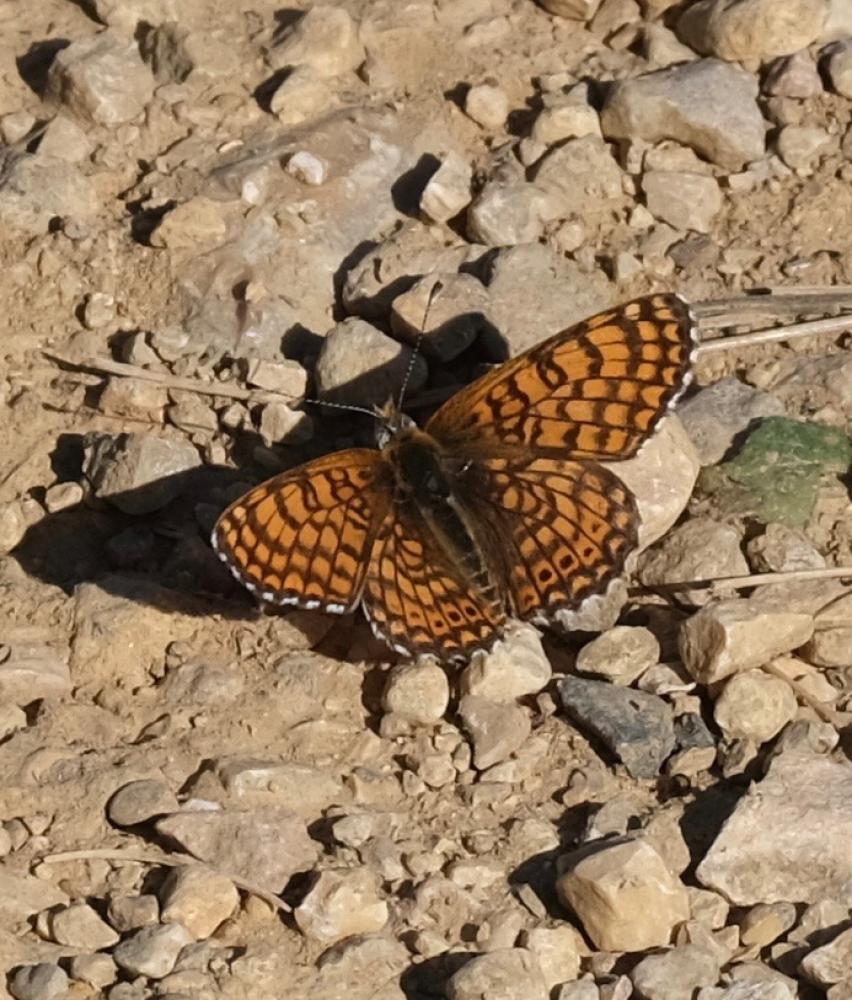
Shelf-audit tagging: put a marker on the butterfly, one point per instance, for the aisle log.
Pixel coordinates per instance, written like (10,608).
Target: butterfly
(499,507)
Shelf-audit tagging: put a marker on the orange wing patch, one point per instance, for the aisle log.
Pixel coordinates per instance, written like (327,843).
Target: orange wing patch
(596,390)
(303,537)
(565,529)
(417,601)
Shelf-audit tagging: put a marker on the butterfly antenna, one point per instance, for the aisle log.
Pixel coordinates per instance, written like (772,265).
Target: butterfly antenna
(421,333)
(340,406)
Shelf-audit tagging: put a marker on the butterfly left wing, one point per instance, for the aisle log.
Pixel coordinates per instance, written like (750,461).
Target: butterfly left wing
(596,390)
(559,531)
(304,537)
(417,600)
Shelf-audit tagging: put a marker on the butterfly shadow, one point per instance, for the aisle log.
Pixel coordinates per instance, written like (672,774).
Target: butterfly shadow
(150,544)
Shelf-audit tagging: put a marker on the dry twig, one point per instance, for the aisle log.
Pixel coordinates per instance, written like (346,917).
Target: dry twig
(155,858)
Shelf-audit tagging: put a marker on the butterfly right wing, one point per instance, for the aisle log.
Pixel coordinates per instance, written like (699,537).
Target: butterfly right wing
(418,600)
(304,537)
(558,532)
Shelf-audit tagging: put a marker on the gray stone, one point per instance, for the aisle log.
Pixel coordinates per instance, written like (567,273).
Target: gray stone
(288,378)
(342,903)
(636,726)
(697,549)
(675,974)
(139,801)
(449,311)
(707,105)
(411,252)
(793,76)
(101,79)
(129,913)
(715,415)
(360,365)
(152,951)
(44,981)
(508,213)
(495,730)
(280,424)
(782,549)
(138,473)
(535,293)
(79,926)
(743,30)
(737,635)
(447,191)
(788,838)
(97,970)
(683,200)
(508,973)
(582,176)
(36,190)
(661,477)
(265,847)
(619,655)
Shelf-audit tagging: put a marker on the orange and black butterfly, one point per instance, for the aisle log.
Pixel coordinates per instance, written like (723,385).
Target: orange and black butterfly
(499,507)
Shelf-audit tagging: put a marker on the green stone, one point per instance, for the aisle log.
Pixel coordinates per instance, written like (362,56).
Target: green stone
(777,472)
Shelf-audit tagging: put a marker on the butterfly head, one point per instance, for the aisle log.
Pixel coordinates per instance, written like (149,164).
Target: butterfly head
(391,423)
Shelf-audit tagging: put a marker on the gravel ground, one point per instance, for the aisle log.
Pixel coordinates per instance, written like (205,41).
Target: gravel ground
(201,800)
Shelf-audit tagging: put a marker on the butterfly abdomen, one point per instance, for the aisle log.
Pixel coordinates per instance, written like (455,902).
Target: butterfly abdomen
(426,478)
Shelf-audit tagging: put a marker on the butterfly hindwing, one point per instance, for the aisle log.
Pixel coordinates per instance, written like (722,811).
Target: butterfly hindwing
(417,600)
(563,529)
(596,390)
(304,537)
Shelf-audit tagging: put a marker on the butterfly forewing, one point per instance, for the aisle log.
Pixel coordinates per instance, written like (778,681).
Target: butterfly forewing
(417,600)
(564,529)
(596,390)
(304,538)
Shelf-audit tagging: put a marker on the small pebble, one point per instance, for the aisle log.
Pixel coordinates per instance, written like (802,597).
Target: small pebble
(419,692)
(98,310)
(139,801)
(197,898)
(755,706)
(79,926)
(342,903)
(61,496)
(44,981)
(152,951)
(98,970)
(130,913)
(620,655)
(307,168)
(487,105)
